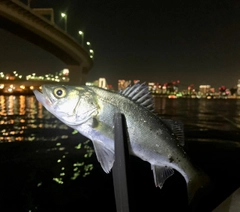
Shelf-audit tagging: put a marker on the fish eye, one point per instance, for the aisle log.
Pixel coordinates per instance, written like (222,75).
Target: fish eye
(59,92)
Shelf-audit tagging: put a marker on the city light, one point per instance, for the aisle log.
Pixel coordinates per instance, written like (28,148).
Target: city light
(90,50)
(81,33)
(64,15)
(88,44)
(91,53)
(14,83)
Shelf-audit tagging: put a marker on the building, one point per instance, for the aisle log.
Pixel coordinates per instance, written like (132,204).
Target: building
(203,89)
(238,88)
(122,84)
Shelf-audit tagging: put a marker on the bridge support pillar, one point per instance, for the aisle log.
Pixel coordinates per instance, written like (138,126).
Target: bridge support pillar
(78,75)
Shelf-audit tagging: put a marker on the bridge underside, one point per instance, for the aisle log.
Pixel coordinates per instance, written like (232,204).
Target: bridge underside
(36,39)
(23,22)
(78,73)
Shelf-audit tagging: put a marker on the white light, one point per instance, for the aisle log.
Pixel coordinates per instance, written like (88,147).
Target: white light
(63,15)
(65,71)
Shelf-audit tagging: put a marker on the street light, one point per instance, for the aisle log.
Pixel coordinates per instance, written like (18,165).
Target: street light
(65,17)
(91,53)
(82,35)
(89,44)
(90,50)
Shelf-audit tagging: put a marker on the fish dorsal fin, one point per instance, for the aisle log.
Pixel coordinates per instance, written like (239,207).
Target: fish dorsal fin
(160,174)
(105,156)
(140,94)
(177,129)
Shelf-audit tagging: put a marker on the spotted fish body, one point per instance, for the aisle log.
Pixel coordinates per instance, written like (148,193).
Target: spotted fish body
(90,110)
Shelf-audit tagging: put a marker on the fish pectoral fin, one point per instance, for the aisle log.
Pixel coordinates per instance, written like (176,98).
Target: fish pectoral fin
(160,174)
(105,155)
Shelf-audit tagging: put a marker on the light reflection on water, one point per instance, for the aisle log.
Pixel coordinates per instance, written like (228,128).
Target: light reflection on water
(78,168)
(215,114)
(56,156)
(24,119)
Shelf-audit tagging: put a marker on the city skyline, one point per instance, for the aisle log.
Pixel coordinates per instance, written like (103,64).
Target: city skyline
(196,44)
(63,77)
(16,83)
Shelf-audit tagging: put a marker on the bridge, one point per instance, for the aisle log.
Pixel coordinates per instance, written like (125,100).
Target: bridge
(30,25)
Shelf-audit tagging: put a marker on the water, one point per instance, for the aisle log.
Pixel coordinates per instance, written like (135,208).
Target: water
(45,166)
(24,119)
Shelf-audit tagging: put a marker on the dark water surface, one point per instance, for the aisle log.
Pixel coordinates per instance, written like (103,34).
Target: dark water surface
(44,166)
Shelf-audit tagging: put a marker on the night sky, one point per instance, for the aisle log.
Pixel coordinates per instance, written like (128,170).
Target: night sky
(160,41)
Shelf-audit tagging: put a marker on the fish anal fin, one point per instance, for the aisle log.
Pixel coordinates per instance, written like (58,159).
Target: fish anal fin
(105,155)
(177,129)
(161,174)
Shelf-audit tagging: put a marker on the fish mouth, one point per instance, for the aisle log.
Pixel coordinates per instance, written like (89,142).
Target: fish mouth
(42,97)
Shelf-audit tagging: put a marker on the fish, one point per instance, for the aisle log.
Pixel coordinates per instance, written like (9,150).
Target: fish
(90,110)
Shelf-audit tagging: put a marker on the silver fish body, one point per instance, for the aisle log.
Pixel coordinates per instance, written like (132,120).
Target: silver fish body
(90,110)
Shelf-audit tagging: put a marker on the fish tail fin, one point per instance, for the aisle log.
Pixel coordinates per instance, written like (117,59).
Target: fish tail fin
(197,187)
